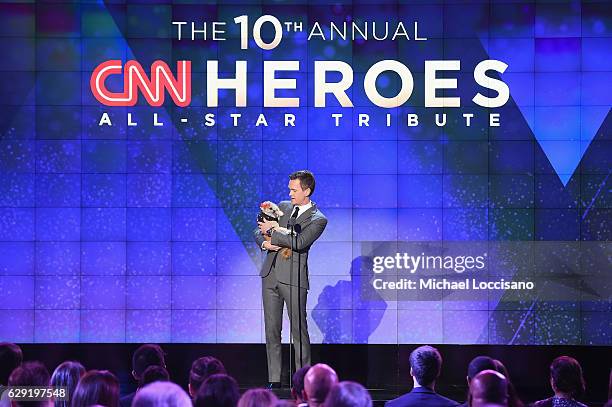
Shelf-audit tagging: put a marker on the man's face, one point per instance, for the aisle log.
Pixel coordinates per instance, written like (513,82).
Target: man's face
(297,194)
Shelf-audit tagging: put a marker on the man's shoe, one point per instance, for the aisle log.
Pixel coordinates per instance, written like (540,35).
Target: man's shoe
(273,385)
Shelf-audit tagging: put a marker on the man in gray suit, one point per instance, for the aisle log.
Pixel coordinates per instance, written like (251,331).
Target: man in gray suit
(283,284)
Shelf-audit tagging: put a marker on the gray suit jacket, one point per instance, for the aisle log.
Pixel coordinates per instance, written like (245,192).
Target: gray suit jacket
(310,225)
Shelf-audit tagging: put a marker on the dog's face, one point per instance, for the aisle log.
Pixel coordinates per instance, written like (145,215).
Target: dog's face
(271,209)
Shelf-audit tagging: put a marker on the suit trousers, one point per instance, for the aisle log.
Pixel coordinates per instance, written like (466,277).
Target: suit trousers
(275,295)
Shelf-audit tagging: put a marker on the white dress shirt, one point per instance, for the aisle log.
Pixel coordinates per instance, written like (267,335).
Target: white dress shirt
(302,208)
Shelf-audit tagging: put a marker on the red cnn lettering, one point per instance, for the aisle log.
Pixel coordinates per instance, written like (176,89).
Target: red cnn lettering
(134,78)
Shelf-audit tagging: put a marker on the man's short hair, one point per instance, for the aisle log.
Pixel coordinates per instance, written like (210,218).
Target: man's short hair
(202,368)
(145,356)
(297,381)
(30,374)
(426,363)
(10,357)
(306,178)
(154,374)
(480,363)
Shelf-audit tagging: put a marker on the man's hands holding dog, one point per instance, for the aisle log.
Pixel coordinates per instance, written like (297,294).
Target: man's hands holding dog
(267,225)
(264,227)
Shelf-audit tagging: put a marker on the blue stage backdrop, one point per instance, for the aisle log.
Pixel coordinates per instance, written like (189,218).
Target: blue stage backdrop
(144,233)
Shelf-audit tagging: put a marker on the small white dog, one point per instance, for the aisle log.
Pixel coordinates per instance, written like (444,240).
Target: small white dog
(271,212)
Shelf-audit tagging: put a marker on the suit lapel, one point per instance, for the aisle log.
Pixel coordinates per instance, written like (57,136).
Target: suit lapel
(301,219)
(307,215)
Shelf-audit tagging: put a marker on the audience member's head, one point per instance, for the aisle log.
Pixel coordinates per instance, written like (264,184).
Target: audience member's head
(30,374)
(257,398)
(145,356)
(478,364)
(67,375)
(153,374)
(200,370)
(513,398)
(218,390)
(161,394)
(318,382)
(488,388)
(297,385)
(425,365)
(566,377)
(501,368)
(348,394)
(97,387)
(10,357)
